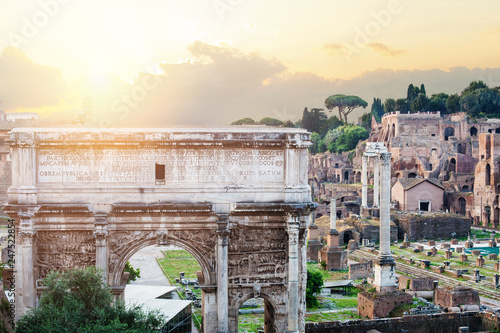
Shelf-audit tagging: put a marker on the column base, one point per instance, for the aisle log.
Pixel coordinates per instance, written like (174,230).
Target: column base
(335,258)
(385,274)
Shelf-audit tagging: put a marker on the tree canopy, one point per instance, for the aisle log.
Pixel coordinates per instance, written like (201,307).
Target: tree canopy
(345,104)
(77,300)
(244,121)
(268,121)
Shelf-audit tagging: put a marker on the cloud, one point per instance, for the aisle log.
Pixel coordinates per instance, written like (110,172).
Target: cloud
(25,84)
(384,50)
(333,48)
(219,85)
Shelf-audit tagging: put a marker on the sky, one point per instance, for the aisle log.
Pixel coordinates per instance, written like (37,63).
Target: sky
(208,62)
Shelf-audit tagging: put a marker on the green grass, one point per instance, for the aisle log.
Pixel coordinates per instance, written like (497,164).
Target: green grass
(176,261)
(250,322)
(345,302)
(332,316)
(328,275)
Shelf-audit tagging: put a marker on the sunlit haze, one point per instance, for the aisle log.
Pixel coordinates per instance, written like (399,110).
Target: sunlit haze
(159,63)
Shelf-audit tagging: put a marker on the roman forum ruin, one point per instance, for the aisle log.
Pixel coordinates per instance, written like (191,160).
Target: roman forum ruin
(237,199)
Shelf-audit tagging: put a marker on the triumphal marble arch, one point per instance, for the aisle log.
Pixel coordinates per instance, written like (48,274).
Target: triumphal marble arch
(237,198)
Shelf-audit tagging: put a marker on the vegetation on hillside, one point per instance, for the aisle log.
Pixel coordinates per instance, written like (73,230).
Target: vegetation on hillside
(335,135)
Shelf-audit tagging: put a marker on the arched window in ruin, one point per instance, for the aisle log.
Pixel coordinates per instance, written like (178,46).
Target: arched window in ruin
(347,237)
(393,130)
(487,174)
(448,131)
(497,131)
(339,214)
(487,216)
(318,216)
(462,204)
(357,178)
(452,167)
(465,188)
(496,216)
(412,175)
(338,178)
(346,176)
(473,131)
(461,148)
(398,175)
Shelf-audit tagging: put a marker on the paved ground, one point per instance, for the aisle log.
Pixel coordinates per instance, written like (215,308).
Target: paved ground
(151,273)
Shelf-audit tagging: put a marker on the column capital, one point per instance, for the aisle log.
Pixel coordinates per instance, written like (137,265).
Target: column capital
(385,158)
(27,237)
(101,236)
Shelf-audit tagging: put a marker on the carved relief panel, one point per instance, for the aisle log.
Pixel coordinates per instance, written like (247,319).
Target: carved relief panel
(58,250)
(257,256)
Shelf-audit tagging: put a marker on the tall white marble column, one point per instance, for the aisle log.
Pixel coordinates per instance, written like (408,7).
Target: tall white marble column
(101,236)
(385,267)
(293,273)
(28,279)
(222,274)
(333,214)
(376,182)
(101,252)
(364,183)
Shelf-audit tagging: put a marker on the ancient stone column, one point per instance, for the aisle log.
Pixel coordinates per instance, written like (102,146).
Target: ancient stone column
(293,273)
(385,267)
(364,181)
(333,214)
(101,252)
(222,274)
(376,182)
(28,280)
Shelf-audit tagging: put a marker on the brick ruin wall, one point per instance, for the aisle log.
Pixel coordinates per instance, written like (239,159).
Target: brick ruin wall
(433,226)
(437,323)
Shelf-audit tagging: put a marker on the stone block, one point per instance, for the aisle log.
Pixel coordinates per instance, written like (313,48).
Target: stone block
(463,258)
(480,261)
(434,251)
(454,241)
(475,252)
(469,245)
(437,269)
(360,270)
(492,256)
(335,258)
(447,254)
(445,246)
(405,245)
(313,247)
(415,284)
(379,305)
(455,297)
(459,249)
(496,267)
(420,248)
(431,243)
(353,245)
(455,272)
(425,263)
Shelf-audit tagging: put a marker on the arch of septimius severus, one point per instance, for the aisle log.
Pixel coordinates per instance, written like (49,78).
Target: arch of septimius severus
(235,198)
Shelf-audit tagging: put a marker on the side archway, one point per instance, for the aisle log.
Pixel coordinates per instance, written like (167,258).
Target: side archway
(118,268)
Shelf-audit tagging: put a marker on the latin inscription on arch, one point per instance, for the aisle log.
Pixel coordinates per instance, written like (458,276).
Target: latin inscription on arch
(181,165)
